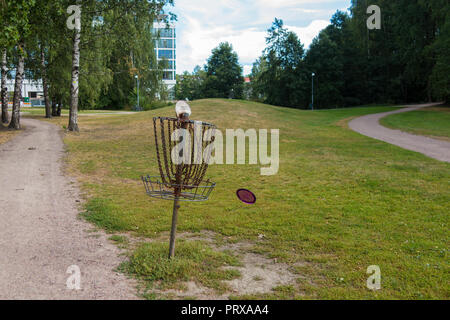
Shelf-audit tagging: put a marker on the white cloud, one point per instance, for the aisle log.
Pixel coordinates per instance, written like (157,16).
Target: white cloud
(203,24)
(307,34)
(198,42)
(291,3)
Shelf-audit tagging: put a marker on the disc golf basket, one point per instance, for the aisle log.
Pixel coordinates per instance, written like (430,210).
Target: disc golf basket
(185,180)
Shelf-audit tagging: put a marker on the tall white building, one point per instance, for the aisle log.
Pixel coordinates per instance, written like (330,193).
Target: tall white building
(166,48)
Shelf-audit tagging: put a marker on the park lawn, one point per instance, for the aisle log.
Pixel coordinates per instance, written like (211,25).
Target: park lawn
(340,203)
(433,122)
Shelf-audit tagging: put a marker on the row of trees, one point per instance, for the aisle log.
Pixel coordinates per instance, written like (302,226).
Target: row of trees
(86,52)
(221,77)
(408,60)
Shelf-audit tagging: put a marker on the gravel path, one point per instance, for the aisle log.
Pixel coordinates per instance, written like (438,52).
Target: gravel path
(370,126)
(40,233)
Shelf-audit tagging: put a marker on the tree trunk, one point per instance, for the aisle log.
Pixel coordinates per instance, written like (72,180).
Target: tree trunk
(44,84)
(4,89)
(58,112)
(429,92)
(73,113)
(15,119)
(54,107)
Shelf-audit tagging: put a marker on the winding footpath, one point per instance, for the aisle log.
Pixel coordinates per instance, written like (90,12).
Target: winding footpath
(41,235)
(369,126)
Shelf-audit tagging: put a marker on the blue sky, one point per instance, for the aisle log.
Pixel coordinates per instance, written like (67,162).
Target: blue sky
(203,24)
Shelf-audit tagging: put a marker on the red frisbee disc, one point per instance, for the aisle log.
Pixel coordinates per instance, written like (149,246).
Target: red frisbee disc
(246,196)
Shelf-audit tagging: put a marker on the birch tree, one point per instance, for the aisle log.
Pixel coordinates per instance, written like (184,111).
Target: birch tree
(4,88)
(15,29)
(20,68)
(74,87)
(48,112)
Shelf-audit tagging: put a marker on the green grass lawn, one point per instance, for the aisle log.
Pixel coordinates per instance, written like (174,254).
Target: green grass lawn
(428,121)
(340,203)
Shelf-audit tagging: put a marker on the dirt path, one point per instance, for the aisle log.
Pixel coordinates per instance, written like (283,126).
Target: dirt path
(40,233)
(370,126)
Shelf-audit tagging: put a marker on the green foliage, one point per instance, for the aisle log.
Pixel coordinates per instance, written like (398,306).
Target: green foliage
(114,48)
(324,58)
(191,86)
(221,77)
(406,61)
(282,78)
(440,78)
(223,73)
(14,21)
(147,102)
(132,53)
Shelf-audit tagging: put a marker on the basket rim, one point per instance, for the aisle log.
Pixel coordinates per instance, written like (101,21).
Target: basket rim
(148,178)
(203,123)
(185,194)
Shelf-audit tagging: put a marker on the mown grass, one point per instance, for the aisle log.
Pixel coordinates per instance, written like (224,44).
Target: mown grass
(194,261)
(340,202)
(433,122)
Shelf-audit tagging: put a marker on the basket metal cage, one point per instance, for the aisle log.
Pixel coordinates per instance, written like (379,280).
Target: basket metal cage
(180,181)
(185,174)
(157,188)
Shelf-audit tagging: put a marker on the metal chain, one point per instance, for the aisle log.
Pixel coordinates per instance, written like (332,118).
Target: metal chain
(189,175)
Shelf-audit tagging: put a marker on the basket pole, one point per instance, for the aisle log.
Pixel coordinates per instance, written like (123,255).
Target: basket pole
(177,192)
(173,233)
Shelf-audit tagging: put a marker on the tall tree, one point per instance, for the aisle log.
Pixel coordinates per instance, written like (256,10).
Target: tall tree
(20,69)
(48,113)
(259,68)
(440,49)
(4,88)
(324,60)
(223,73)
(74,85)
(190,85)
(15,21)
(279,75)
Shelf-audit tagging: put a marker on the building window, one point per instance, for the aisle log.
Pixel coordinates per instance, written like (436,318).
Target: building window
(171,64)
(165,54)
(168,75)
(165,33)
(165,43)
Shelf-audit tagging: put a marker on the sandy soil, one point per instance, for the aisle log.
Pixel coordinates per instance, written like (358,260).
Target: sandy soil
(370,126)
(41,235)
(259,274)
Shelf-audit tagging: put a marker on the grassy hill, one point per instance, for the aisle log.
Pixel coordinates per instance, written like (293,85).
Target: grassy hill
(340,203)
